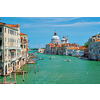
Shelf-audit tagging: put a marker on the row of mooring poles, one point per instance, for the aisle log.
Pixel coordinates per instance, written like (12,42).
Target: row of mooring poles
(37,69)
(21,73)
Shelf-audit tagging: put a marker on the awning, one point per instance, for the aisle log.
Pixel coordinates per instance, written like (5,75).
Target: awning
(12,50)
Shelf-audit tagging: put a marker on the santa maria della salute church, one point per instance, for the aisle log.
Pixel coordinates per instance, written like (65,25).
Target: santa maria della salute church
(56,40)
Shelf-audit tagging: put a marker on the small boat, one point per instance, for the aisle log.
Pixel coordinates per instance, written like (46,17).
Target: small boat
(53,57)
(68,60)
(50,58)
(40,59)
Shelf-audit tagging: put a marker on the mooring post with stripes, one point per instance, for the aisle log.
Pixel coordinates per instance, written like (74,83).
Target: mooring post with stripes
(10,73)
(38,68)
(5,79)
(23,75)
(15,76)
(35,69)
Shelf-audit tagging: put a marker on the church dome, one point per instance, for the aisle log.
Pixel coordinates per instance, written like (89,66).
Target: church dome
(55,39)
(63,39)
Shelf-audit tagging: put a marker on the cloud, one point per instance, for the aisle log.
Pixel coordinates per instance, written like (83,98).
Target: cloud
(77,24)
(57,19)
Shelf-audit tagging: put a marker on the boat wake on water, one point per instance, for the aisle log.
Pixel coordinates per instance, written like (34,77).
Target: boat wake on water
(68,60)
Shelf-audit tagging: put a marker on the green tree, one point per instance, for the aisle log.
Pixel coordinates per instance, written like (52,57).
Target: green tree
(86,44)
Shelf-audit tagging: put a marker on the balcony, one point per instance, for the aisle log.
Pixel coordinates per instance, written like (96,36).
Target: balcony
(12,47)
(13,58)
(18,56)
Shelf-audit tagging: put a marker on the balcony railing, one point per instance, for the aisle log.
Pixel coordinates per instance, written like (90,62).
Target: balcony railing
(12,47)
(13,58)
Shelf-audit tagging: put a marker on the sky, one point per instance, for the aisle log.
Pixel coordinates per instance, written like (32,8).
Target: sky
(40,30)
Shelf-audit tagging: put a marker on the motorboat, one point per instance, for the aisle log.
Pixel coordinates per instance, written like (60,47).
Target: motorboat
(53,57)
(68,60)
(40,59)
(50,58)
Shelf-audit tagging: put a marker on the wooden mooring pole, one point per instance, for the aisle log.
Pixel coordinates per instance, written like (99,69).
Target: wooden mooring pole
(35,69)
(5,79)
(23,75)
(10,73)
(38,68)
(15,76)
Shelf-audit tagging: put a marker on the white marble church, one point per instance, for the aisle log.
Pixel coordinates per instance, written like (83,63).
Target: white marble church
(56,40)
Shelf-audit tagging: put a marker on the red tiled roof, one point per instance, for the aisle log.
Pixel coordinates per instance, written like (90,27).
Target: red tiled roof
(73,48)
(97,41)
(51,44)
(15,25)
(23,34)
(2,23)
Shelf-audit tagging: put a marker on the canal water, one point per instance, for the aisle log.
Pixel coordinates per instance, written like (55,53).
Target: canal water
(59,71)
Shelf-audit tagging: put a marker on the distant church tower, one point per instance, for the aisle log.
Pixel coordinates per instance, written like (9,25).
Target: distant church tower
(39,49)
(64,40)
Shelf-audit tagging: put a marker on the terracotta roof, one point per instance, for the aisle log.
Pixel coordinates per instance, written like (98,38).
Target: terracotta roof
(23,34)
(97,41)
(51,44)
(73,48)
(65,44)
(2,23)
(58,45)
(15,25)
(94,36)
(80,48)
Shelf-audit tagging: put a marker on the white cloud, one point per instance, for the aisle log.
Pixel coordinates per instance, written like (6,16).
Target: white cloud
(57,19)
(77,24)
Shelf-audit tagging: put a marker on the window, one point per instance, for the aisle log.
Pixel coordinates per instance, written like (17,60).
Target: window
(5,30)
(0,29)
(8,31)
(21,46)
(99,36)
(24,46)
(24,37)
(93,40)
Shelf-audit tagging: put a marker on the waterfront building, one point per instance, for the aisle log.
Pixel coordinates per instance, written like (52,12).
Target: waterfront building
(55,49)
(86,52)
(24,47)
(55,39)
(59,50)
(49,48)
(78,51)
(40,50)
(10,50)
(94,47)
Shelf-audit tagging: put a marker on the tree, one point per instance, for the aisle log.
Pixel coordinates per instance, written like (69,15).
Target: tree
(86,44)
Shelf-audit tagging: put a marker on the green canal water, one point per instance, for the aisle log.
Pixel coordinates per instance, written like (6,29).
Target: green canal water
(58,71)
